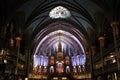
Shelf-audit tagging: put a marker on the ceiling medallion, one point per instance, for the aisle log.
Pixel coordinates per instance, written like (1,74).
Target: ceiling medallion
(59,12)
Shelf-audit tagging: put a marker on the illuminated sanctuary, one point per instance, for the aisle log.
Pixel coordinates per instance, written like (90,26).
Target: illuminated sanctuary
(58,56)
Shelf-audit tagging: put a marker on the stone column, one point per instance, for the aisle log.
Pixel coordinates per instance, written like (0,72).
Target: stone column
(18,39)
(101,39)
(114,26)
(27,61)
(92,52)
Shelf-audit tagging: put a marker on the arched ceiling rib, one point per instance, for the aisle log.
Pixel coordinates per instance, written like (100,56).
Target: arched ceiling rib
(45,6)
(63,26)
(68,39)
(50,40)
(82,13)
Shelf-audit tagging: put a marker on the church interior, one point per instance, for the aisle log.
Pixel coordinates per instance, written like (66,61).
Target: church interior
(59,40)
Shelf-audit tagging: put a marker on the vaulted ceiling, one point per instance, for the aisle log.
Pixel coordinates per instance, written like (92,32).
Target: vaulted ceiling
(89,19)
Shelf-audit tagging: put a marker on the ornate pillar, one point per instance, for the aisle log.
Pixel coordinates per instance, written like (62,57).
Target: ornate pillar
(11,42)
(92,52)
(18,39)
(114,26)
(101,39)
(27,61)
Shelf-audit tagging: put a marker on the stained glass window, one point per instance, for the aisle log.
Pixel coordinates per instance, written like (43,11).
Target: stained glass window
(59,12)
